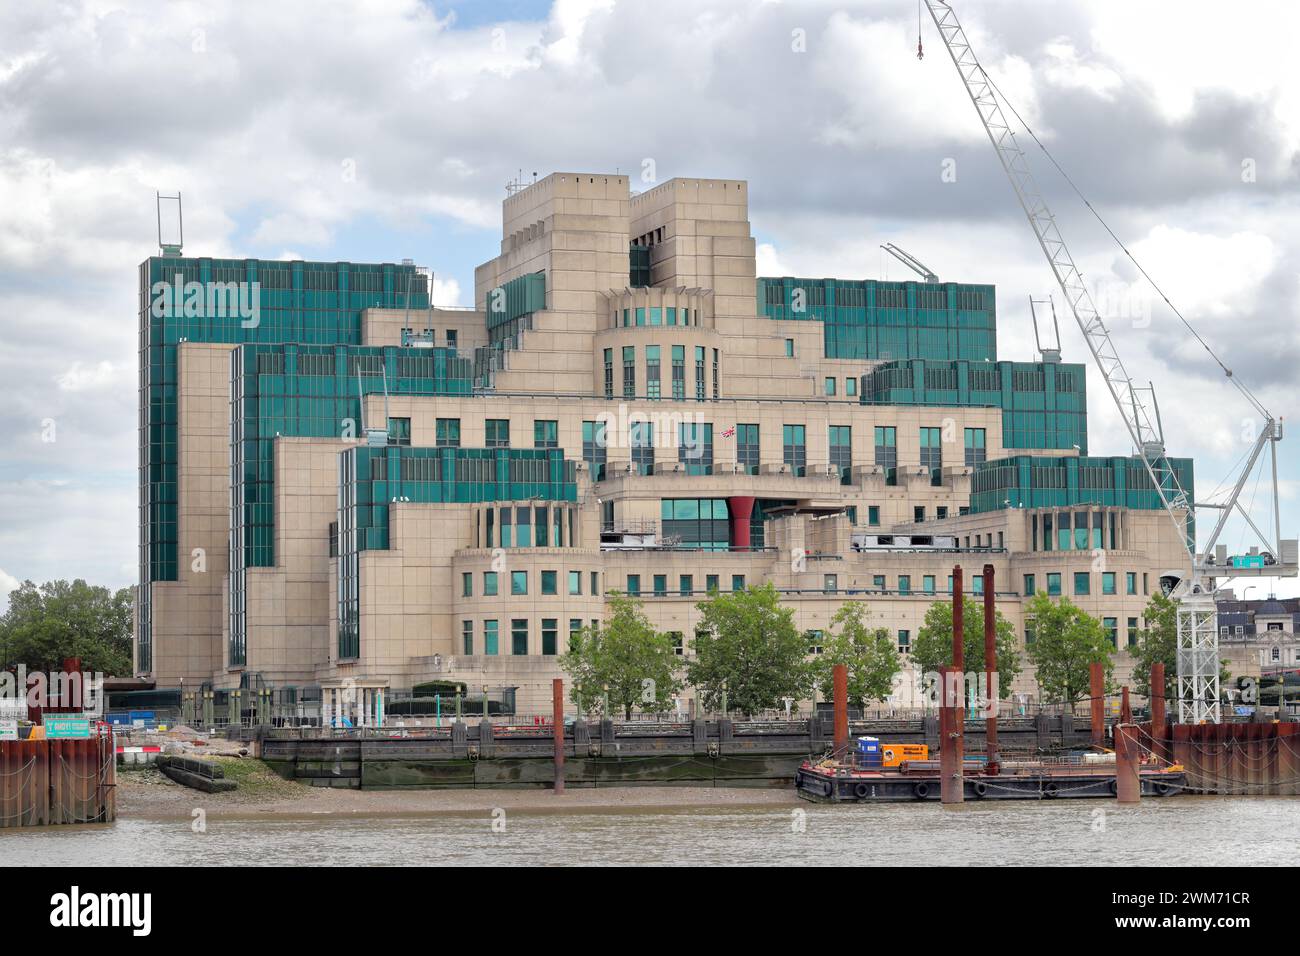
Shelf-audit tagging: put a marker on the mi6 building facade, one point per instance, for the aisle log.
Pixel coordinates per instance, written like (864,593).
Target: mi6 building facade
(346,492)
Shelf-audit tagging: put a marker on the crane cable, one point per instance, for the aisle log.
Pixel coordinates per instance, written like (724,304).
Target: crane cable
(1250,397)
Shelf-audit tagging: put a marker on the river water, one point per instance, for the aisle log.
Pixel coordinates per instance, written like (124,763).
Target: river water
(1202,831)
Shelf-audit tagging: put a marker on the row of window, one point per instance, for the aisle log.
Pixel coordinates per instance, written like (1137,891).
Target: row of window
(1111,626)
(850,384)
(1084,530)
(699,388)
(655,315)
(549,583)
(685,584)
(488,639)
(1083,583)
(695,446)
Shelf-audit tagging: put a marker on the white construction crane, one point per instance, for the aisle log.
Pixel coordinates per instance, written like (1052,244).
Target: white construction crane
(909,260)
(1198,635)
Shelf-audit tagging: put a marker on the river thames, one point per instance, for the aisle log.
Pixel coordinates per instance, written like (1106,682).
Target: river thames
(1196,831)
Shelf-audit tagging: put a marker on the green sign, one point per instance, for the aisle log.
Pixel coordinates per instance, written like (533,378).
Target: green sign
(66,728)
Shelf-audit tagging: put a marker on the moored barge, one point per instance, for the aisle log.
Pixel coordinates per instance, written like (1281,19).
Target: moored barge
(1065,778)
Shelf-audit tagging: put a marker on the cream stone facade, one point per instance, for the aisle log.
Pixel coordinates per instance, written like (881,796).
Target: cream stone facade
(690,354)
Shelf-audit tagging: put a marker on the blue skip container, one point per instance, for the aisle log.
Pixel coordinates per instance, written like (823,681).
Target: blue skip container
(869,755)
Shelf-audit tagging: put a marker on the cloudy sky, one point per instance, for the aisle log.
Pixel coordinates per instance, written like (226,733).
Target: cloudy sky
(384,129)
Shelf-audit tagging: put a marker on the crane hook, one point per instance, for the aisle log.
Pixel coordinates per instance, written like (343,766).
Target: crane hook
(920,52)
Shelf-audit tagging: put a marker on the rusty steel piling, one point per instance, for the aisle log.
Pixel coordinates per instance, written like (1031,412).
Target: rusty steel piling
(952,719)
(1128,786)
(557,720)
(840,689)
(990,672)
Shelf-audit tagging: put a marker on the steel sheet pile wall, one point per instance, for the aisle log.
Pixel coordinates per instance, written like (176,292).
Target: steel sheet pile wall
(46,782)
(1240,759)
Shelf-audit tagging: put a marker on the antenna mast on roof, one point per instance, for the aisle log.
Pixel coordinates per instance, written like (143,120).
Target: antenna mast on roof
(913,263)
(1052,354)
(170,250)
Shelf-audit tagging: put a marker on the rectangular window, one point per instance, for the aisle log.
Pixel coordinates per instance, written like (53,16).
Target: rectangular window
(1108,582)
(490,638)
(737,582)
(595,578)
(489,583)
(523,528)
(975,450)
(873,515)
(467,637)
(1112,630)
(747,449)
(595,449)
(686,585)
(609,373)
(904,641)
(1132,632)
(549,583)
(841,452)
(918,514)
(652,371)
(1082,582)
(549,636)
(634,584)
(789,348)
(518,582)
(447,433)
(716,385)
(887,452)
(1130,582)
(699,373)
(711,583)
(878,582)
(519,636)
(661,585)
(399,431)
(546,434)
(679,371)
(830,386)
(932,454)
(695,447)
(643,447)
(904,584)
(830,583)
(1054,583)
(629,371)
(851,387)
(1029,586)
(794,449)
(927,583)
(497,433)
(575,582)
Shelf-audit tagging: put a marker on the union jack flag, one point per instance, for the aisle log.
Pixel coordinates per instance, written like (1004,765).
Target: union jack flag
(729,432)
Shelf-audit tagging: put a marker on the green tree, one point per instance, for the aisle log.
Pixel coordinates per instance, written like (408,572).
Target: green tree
(625,658)
(1067,641)
(49,622)
(747,643)
(869,654)
(932,648)
(1158,643)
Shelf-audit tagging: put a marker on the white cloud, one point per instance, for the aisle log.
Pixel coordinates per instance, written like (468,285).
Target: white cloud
(290,130)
